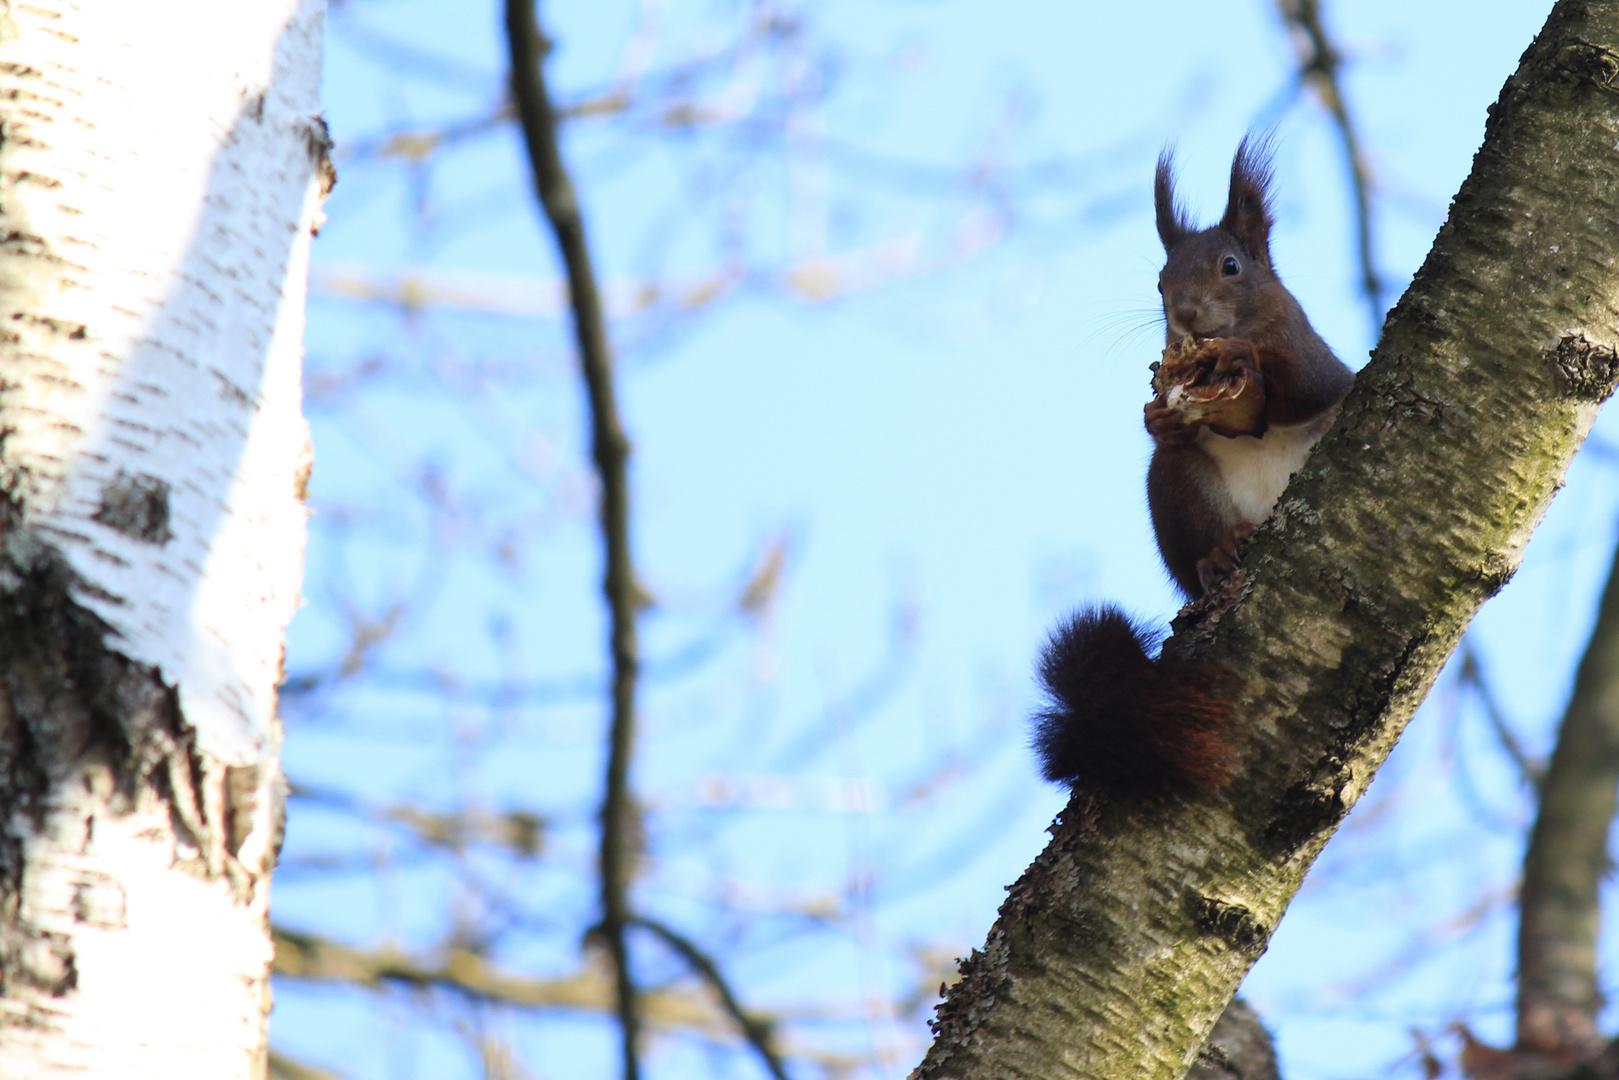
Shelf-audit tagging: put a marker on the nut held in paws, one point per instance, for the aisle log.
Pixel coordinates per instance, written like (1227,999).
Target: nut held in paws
(1229,403)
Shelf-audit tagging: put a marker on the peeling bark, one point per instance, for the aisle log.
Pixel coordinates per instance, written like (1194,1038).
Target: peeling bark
(156,204)
(1116,951)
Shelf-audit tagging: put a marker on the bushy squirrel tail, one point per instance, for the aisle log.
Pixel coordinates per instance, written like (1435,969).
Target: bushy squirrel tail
(1120,721)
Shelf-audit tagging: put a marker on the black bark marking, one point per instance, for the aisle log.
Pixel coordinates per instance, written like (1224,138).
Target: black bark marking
(241,799)
(138,506)
(70,707)
(1583,369)
(1495,573)
(1304,812)
(1353,705)
(1231,923)
(100,901)
(39,959)
(318,140)
(1401,398)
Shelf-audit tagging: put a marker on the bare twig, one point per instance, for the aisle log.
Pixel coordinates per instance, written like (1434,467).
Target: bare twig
(1558,992)
(419,144)
(1320,65)
(1472,677)
(611,450)
(283,1067)
(755,1029)
(689,657)
(521,832)
(313,958)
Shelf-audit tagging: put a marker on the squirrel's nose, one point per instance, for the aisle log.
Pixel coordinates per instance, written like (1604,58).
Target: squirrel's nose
(1184,316)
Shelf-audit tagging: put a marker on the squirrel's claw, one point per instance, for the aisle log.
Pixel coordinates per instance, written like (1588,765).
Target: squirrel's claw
(1166,425)
(1223,559)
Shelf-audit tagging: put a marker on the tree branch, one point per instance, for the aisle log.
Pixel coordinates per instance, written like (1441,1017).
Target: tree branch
(520,832)
(1471,675)
(283,1067)
(757,1031)
(1558,996)
(1119,947)
(1319,65)
(611,450)
(461,971)
(307,956)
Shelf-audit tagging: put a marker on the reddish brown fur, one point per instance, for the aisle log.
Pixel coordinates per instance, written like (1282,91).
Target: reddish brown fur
(1120,722)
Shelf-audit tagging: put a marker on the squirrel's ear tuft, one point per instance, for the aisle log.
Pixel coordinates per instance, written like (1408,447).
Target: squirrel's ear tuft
(1247,211)
(1172,225)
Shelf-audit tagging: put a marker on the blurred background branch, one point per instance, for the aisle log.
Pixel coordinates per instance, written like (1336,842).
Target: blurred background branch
(1321,69)
(610,448)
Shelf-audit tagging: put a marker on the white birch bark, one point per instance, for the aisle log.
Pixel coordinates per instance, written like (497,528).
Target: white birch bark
(161,168)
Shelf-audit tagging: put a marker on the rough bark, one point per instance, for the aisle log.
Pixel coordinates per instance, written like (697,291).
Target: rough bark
(156,203)
(1116,951)
(1558,995)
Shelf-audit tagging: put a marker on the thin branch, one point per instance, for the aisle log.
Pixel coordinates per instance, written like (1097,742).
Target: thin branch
(521,832)
(1472,677)
(308,957)
(611,450)
(283,1067)
(689,657)
(1320,65)
(419,144)
(316,959)
(757,1031)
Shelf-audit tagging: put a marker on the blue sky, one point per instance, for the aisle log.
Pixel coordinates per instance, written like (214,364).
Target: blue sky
(953,448)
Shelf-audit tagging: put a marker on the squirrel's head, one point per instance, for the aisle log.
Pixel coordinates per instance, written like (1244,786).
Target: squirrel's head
(1213,279)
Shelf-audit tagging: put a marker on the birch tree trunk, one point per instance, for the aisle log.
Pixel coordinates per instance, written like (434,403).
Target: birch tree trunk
(161,169)
(1116,951)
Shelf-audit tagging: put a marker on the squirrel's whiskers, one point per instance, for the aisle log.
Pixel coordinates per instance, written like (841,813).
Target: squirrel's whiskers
(1119,720)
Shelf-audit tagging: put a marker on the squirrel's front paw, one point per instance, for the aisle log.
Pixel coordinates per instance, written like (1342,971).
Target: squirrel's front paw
(1235,355)
(1223,559)
(1166,426)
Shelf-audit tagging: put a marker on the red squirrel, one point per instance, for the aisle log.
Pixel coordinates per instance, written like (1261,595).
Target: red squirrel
(1120,720)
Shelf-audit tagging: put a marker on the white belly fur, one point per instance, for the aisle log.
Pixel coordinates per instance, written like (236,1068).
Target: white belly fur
(1256,470)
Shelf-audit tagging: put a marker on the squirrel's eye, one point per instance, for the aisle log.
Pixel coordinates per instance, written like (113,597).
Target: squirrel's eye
(1230,267)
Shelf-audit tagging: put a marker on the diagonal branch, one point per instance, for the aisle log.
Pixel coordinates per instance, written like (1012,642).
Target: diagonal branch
(1471,675)
(756,1030)
(1119,947)
(611,450)
(1320,65)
